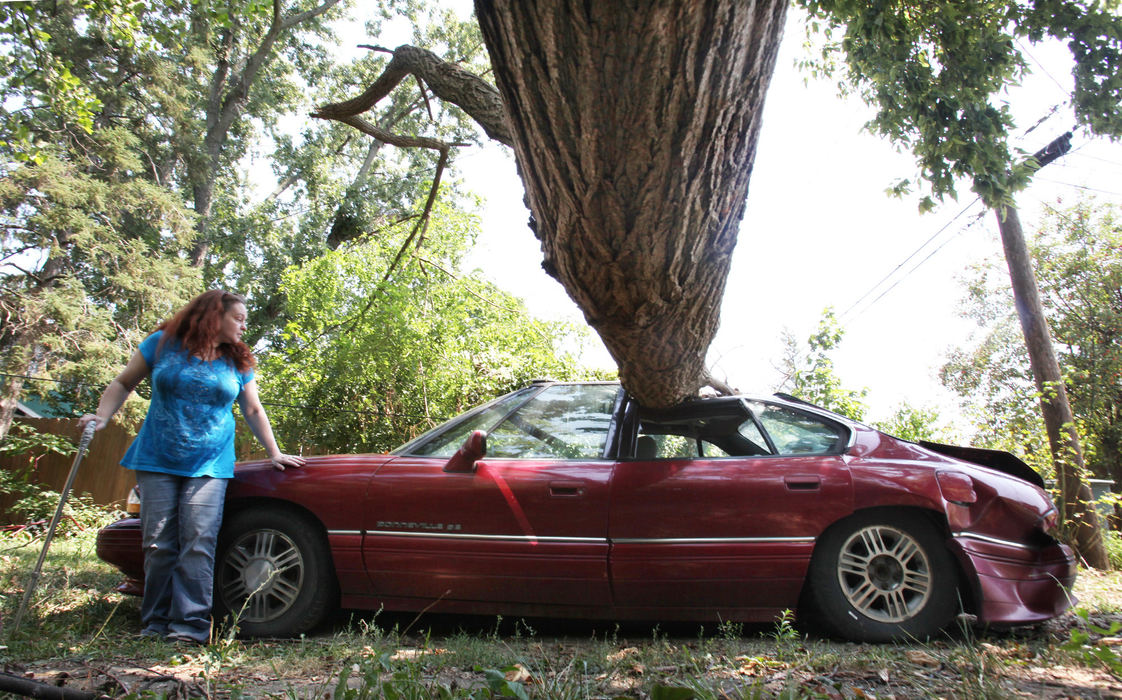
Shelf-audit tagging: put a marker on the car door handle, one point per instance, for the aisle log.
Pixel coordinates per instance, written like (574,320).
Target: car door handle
(802,483)
(566,488)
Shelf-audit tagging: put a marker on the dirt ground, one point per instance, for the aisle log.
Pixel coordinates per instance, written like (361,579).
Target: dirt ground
(1023,662)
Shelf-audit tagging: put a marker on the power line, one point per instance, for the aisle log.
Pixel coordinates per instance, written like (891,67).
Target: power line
(905,261)
(1053,150)
(971,223)
(1040,65)
(1082,187)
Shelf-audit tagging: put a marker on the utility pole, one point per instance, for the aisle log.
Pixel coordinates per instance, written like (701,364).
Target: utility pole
(1067,455)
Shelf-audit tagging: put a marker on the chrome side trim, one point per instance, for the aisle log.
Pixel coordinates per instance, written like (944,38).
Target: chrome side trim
(993,540)
(710,540)
(585,540)
(467,536)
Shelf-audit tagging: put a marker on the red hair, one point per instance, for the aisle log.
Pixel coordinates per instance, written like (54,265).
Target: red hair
(196,327)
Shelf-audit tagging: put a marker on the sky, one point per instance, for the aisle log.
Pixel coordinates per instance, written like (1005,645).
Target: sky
(819,231)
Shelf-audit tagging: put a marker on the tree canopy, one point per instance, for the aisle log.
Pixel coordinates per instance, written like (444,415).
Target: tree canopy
(935,72)
(130,136)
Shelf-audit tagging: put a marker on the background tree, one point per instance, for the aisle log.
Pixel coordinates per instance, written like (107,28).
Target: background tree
(90,243)
(809,374)
(335,185)
(100,187)
(1076,252)
(370,360)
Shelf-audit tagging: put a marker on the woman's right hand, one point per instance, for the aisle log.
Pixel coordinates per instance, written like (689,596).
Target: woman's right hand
(99,422)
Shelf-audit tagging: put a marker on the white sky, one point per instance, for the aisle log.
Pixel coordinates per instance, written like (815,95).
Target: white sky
(820,231)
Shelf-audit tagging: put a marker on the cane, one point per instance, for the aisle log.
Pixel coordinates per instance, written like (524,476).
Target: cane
(83,443)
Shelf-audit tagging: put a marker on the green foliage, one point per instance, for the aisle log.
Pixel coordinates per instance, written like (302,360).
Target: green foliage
(115,119)
(811,375)
(1112,542)
(672,692)
(101,266)
(914,423)
(935,70)
(43,76)
(380,352)
(1085,643)
(25,440)
(785,632)
(1077,254)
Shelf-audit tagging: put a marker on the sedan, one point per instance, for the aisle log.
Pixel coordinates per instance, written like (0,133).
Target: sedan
(572,500)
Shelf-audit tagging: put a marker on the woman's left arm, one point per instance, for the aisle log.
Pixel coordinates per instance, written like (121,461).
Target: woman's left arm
(254,414)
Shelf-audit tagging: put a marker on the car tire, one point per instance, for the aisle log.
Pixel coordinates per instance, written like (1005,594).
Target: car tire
(273,575)
(883,576)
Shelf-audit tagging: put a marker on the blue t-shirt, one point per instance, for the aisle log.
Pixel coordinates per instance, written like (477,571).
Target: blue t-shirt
(189,429)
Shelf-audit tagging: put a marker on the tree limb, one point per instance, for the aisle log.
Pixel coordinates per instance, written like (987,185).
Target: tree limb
(479,99)
(721,386)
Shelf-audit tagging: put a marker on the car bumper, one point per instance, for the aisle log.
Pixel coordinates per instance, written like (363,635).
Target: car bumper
(119,544)
(1016,584)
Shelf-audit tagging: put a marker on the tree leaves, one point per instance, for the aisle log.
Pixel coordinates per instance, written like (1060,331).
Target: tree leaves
(373,360)
(934,71)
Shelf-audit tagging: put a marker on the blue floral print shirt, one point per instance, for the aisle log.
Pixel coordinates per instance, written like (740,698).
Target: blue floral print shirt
(189,429)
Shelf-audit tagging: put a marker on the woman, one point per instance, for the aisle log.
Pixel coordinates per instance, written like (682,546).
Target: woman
(184,453)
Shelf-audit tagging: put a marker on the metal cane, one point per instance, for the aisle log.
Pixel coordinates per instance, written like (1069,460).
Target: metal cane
(83,443)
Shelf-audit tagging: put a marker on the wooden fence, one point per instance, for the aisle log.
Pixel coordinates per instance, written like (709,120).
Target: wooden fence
(100,474)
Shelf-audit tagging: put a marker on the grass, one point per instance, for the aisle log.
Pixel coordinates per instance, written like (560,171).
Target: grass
(80,627)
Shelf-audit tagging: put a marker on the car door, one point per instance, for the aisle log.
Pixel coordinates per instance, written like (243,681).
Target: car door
(527,525)
(721,515)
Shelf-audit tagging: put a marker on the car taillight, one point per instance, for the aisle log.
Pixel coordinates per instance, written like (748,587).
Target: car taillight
(132,503)
(957,487)
(1050,522)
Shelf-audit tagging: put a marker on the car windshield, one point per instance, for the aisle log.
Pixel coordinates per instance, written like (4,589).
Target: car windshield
(561,421)
(445,439)
(566,421)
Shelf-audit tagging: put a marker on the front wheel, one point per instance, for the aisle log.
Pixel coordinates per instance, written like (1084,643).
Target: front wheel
(273,573)
(883,576)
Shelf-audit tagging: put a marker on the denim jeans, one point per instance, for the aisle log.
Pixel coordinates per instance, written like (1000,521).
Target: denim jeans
(180,517)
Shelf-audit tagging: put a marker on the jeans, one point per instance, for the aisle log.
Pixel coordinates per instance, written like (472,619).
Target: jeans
(180,517)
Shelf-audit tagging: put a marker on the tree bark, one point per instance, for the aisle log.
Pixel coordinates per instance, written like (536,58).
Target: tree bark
(1075,494)
(447,81)
(635,126)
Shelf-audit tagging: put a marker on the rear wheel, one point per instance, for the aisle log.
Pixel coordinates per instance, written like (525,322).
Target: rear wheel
(883,576)
(273,573)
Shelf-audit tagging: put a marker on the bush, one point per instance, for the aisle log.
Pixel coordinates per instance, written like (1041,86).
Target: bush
(1112,540)
(35,505)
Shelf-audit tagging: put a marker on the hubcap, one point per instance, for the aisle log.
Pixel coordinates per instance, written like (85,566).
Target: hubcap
(262,575)
(884,573)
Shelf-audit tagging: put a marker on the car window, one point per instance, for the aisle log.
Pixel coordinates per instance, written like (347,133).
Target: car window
(794,432)
(566,421)
(656,446)
(727,431)
(750,431)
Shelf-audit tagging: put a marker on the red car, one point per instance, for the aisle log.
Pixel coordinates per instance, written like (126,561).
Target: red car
(571,500)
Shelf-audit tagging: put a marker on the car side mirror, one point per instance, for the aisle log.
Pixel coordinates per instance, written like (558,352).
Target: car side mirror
(473,450)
